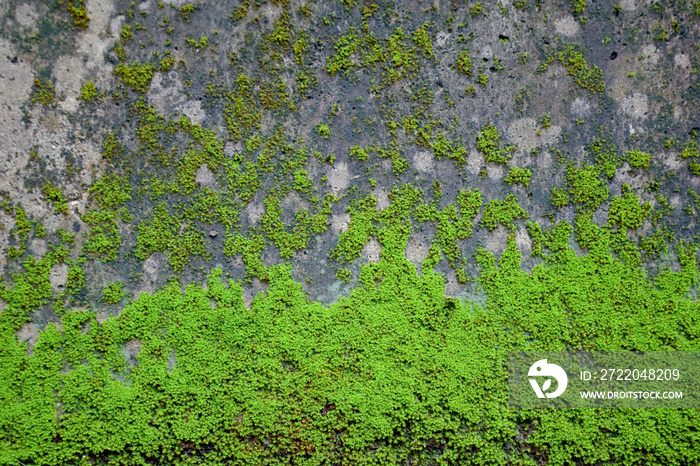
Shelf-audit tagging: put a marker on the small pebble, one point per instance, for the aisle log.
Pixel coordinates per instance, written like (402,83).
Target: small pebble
(213,233)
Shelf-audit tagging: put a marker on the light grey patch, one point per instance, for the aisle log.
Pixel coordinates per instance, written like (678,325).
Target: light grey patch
(26,15)
(486,52)
(293,203)
(152,268)
(651,54)
(232,148)
(629,5)
(339,177)
(387,165)
(172,360)
(193,110)
(580,107)
(101,316)
(28,333)
(600,216)
(423,162)
(495,172)
(38,247)
(544,160)
(453,288)
(372,250)
(567,26)
(206,178)
(254,211)
(383,200)
(635,105)
(441,38)
(115,25)
(100,12)
(522,240)
(670,160)
(496,240)
(523,133)
(252,291)
(340,223)
(166,95)
(131,350)
(474,162)
(417,250)
(58,277)
(681,60)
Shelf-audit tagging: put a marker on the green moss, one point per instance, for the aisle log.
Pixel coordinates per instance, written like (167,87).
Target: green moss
(290,371)
(302,183)
(110,190)
(559,198)
(441,147)
(626,211)
(240,110)
(186,10)
(358,153)
(287,242)
(77,10)
(489,143)
(638,159)
(185,244)
(52,193)
(202,43)
(363,215)
(167,62)
(324,131)
(274,95)
(690,150)
(371,378)
(518,175)
(136,75)
(578,6)
(281,32)
(606,156)
(156,233)
(394,56)
(300,47)
(103,240)
(113,293)
(586,76)
(23,226)
(250,247)
(585,187)
(111,147)
(694,168)
(126,33)
(43,92)
(344,275)
(88,92)
(497,212)
(453,223)
(421,38)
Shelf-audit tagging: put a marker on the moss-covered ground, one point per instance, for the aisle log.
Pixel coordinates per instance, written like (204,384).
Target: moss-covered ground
(312,232)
